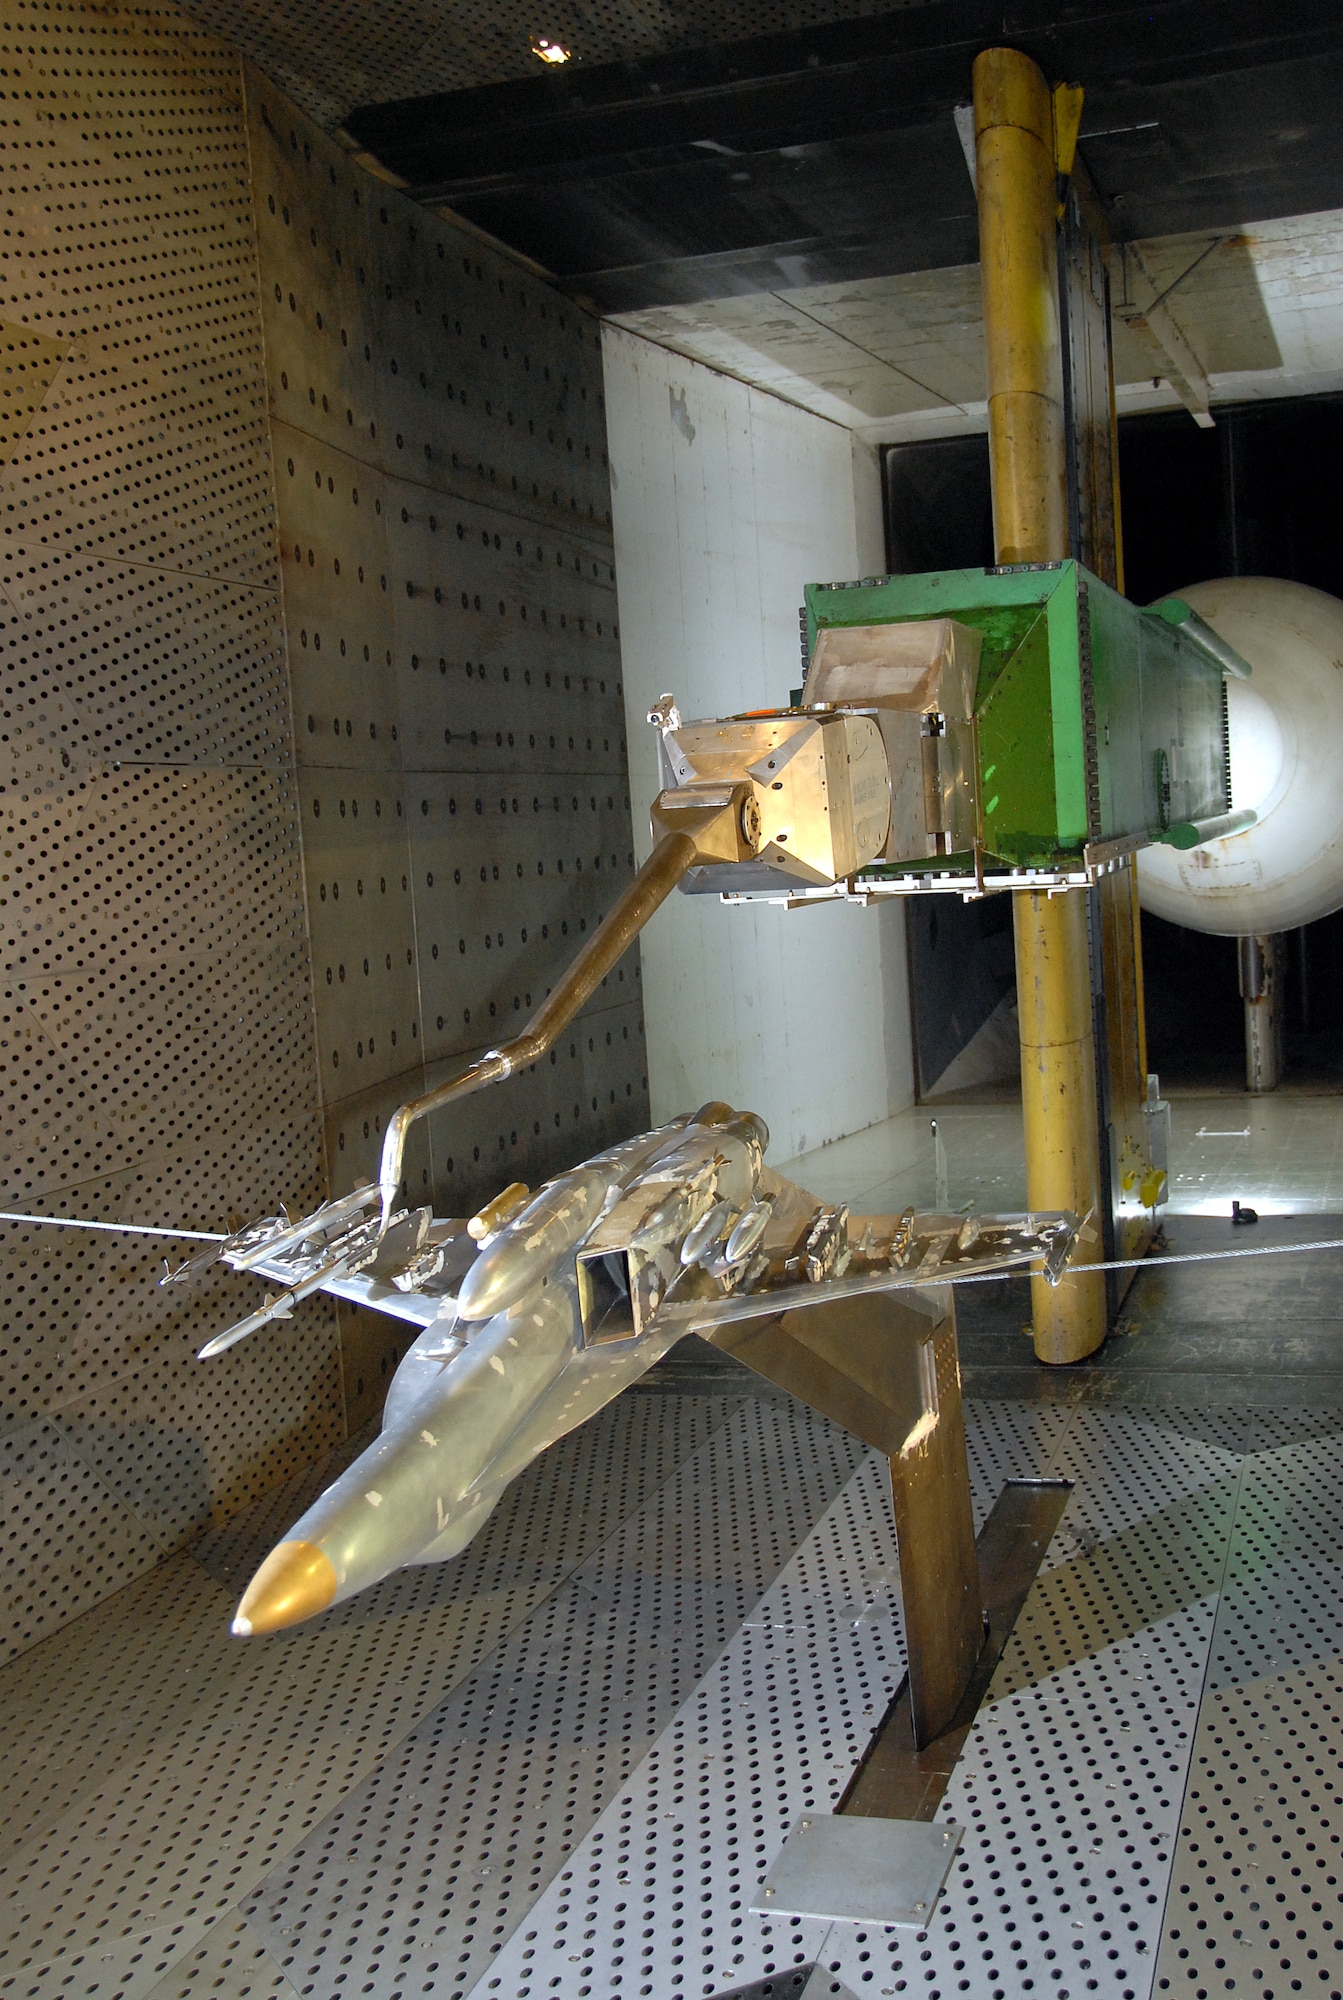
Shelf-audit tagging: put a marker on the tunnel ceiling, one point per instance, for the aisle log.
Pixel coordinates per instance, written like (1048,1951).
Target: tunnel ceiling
(332,56)
(829,152)
(778,188)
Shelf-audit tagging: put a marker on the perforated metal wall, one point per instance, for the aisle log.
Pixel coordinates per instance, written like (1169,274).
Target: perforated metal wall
(1197,1555)
(515,1765)
(449,583)
(156,1043)
(163,1772)
(445,533)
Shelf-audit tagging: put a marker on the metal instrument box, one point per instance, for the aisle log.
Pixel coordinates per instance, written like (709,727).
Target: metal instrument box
(1096,724)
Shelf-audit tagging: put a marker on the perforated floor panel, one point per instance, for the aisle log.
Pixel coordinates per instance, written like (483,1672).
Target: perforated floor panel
(562,1765)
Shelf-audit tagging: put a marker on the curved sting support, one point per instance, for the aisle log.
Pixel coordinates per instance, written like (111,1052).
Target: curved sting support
(673,855)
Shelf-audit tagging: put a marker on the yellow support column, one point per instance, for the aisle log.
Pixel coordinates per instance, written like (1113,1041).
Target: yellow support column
(1058,1108)
(1017,175)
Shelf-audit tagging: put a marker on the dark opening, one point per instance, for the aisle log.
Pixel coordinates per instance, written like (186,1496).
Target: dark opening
(604,1297)
(1256,495)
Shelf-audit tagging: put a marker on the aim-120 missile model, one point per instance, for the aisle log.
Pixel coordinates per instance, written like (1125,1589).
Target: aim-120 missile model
(540,1309)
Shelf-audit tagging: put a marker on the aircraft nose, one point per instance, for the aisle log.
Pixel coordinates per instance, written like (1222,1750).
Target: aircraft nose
(295,1581)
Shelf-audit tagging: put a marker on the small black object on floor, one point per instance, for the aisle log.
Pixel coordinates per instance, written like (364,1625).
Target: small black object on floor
(1266,1331)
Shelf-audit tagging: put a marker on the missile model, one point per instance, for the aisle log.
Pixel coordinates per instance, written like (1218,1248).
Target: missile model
(540,1309)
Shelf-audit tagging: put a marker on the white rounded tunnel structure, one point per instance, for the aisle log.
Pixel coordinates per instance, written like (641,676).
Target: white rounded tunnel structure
(1286,743)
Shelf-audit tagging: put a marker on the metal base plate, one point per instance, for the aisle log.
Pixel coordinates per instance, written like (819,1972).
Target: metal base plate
(860,1871)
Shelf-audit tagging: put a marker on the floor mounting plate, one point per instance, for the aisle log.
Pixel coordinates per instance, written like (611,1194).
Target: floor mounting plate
(860,1871)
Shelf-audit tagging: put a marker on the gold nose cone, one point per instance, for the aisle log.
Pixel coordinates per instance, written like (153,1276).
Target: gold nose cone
(295,1581)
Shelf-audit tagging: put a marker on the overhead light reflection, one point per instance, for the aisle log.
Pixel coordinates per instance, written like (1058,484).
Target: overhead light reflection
(548,50)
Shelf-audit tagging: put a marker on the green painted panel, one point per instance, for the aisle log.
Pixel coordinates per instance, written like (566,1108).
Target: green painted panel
(1017,752)
(1124,773)
(1068,710)
(1157,753)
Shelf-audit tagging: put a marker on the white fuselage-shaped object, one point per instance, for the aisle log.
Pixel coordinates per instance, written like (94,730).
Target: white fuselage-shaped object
(1286,744)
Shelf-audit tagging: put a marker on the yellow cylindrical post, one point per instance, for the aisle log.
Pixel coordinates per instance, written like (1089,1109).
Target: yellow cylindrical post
(1058,1108)
(1017,179)
(1014,158)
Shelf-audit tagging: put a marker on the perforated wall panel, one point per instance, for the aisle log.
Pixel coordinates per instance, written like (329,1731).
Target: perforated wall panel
(168,1771)
(449,588)
(561,1765)
(155,1037)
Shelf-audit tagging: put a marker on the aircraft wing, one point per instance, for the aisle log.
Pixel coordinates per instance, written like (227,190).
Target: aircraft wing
(815,1252)
(664,1256)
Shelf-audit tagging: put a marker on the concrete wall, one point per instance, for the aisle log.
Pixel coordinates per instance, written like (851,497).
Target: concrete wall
(726,502)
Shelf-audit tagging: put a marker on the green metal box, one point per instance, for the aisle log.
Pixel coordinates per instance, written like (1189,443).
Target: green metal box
(1096,722)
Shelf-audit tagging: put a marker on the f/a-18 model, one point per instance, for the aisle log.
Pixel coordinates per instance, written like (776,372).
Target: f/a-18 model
(542,1308)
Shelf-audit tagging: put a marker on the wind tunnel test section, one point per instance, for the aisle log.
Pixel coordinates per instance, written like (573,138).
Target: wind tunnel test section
(957,732)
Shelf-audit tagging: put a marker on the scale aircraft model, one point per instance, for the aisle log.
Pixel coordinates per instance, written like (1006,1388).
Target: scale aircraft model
(542,1308)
